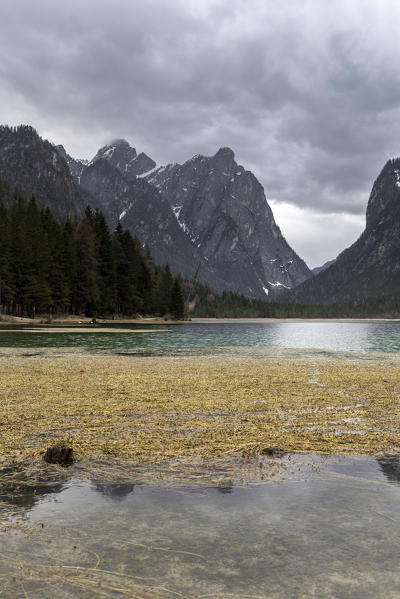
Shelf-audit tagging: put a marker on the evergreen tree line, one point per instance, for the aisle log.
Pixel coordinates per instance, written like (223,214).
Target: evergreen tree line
(77,266)
(205,302)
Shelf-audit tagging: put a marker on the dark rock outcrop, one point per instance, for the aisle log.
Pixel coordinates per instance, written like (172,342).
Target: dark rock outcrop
(274,452)
(59,454)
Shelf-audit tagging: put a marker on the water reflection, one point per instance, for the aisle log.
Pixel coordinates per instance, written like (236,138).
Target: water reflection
(390,466)
(26,496)
(225,490)
(329,533)
(117,492)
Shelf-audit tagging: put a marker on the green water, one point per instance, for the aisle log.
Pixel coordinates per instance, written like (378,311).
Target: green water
(332,336)
(328,533)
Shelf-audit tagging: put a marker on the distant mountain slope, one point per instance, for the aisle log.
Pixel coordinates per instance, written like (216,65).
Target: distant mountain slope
(370,268)
(319,269)
(35,167)
(9,193)
(76,167)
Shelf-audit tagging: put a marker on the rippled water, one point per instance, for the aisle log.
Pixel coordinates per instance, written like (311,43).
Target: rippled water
(333,336)
(334,533)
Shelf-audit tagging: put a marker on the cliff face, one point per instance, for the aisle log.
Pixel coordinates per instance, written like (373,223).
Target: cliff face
(371,266)
(36,168)
(223,210)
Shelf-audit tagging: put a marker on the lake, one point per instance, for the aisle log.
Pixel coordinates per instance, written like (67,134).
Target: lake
(328,335)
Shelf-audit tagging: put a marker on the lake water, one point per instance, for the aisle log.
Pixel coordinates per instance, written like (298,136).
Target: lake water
(329,335)
(330,533)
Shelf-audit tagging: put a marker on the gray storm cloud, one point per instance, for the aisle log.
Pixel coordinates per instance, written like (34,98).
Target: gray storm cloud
(306,93)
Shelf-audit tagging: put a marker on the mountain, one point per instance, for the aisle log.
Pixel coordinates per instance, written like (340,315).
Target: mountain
(36,168)
(370,268)
(223,210)
(319,269)
(208,215)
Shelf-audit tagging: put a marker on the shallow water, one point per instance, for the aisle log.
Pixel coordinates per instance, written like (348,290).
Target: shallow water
(331,530)
(332,336)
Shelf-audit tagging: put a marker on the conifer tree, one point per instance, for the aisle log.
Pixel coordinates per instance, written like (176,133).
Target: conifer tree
(86,292)
(106,266)
(177,305)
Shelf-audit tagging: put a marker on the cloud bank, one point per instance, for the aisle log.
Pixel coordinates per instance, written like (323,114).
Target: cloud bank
(306,93)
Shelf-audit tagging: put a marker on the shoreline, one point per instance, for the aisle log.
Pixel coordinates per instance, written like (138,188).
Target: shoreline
(43,321)
(272,320)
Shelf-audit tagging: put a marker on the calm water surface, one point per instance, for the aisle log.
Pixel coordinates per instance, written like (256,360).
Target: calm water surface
(332,336)
(335,533)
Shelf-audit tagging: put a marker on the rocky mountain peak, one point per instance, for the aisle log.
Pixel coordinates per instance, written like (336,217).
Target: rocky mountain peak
(124,157)
(117,152)
(385,189)
(142,164)
(208,212)
(119,142)
(224,157)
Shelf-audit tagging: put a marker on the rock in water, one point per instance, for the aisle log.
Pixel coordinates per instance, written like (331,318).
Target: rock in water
(59,454)
(274,452)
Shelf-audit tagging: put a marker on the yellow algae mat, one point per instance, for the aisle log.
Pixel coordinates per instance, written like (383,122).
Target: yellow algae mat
(164,408)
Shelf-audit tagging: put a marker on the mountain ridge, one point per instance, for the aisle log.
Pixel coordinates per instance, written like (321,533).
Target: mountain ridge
(370,267)
(225,257)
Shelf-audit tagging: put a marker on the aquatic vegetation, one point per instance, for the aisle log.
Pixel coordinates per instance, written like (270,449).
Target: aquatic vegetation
(160,409)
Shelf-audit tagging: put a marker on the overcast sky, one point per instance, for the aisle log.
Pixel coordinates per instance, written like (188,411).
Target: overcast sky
(306,92)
